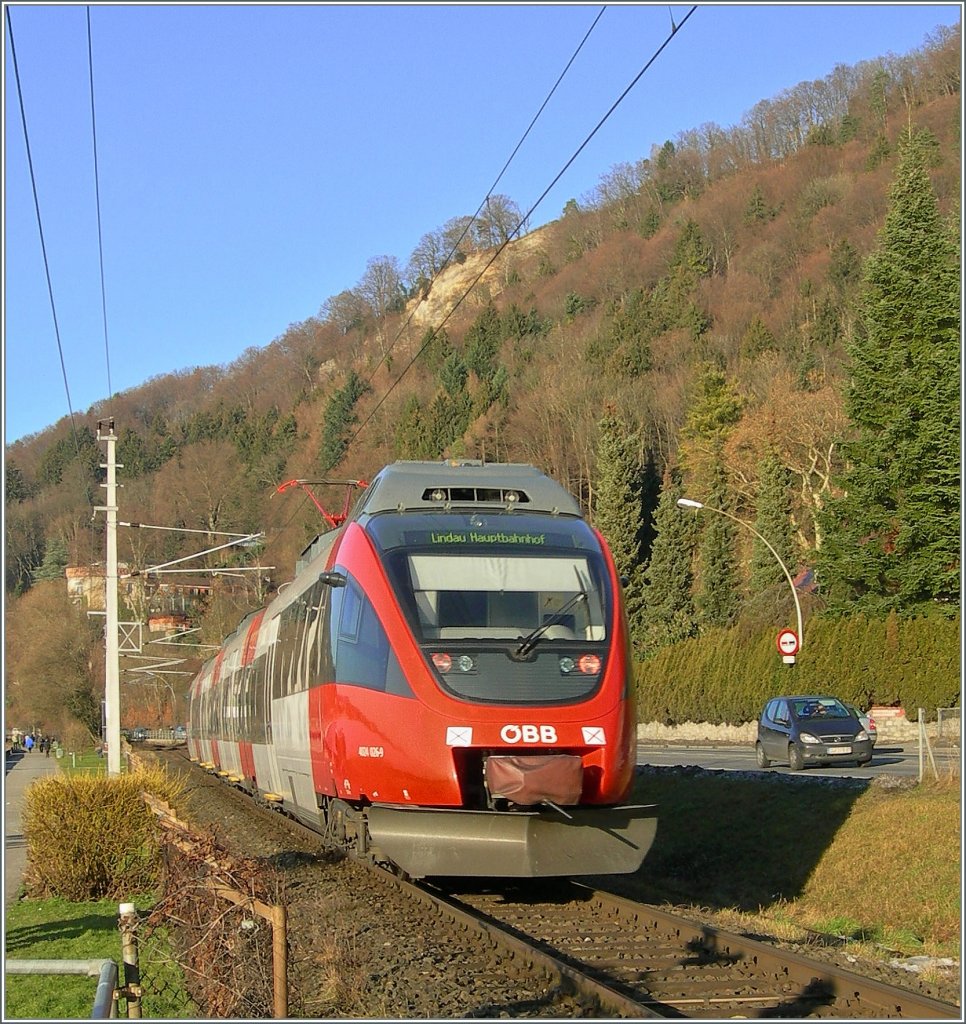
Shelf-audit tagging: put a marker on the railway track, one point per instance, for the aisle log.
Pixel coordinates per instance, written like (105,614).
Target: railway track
(636,960)
(643,961)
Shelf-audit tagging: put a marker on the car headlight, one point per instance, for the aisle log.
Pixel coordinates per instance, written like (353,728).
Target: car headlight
(861,735)
(807,737)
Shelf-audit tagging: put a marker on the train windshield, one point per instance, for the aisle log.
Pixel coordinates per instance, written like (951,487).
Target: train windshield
(486,596)
(503,607)
(463,576)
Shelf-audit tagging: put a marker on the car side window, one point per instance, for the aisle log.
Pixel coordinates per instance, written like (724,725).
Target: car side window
(781,713)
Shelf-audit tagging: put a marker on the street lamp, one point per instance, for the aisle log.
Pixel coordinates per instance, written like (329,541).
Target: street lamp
(690,503)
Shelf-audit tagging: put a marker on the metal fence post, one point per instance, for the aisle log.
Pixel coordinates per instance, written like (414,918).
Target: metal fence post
(925,746)
(922,740)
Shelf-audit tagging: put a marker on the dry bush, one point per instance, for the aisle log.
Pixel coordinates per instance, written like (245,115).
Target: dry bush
(224,951)
(91,837)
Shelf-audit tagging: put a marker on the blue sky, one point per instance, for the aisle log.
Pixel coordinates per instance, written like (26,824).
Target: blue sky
(252,158)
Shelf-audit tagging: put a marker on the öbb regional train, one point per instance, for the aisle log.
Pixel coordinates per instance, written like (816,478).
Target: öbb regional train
(444,687)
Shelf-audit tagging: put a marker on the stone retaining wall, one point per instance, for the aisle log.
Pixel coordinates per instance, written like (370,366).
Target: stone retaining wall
(889,730)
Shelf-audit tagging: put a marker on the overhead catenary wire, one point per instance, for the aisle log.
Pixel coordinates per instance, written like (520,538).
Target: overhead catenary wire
(485,201)
(40,226)
(97,197)
(456,244)
(675,28)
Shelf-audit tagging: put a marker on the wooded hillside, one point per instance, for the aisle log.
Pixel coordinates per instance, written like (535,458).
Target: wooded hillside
(765,318)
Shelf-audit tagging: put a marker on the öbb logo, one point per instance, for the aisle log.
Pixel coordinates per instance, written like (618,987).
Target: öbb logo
(528,734)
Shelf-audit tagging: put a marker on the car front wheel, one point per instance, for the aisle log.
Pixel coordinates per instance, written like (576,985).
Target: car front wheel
(762,760)
(795,759)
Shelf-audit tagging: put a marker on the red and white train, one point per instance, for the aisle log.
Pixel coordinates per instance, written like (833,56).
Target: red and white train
(445,685)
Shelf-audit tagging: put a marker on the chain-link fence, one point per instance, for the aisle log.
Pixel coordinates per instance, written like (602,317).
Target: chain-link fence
(949,727)
(939,744)
(215,944)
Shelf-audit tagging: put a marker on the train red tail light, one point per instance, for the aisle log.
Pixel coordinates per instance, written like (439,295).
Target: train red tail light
(586,664)
(445,663)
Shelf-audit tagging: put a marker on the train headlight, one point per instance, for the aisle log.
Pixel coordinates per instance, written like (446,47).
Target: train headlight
(443,662)
(567,665)
(465,663)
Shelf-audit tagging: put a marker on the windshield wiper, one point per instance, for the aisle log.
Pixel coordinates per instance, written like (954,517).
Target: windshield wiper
(530,640)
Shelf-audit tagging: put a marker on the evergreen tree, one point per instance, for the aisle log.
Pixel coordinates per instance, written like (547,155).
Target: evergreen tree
(482,343)
(54,563)
(412,434)
(453,374)
(758,339)
(339,417)
(619,513)
(892,540)
(826,328)
(714,410)
(625,341)
(668,614)
(758,211)
(717,598)
(773,521)
(845,267)
(15,487)
(132,454)
(435,349)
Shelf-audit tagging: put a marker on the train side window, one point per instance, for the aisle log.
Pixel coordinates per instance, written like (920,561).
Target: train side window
(351,613)
(362,652)
(310,620)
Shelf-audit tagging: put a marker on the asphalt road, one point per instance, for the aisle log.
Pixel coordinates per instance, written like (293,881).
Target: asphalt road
(887,759)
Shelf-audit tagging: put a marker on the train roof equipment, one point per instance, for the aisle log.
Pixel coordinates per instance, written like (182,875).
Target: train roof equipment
(461,484)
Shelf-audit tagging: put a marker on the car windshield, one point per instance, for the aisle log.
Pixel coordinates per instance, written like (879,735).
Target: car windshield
(819,707)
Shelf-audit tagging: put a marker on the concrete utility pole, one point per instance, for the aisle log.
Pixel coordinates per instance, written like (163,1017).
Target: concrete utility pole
(112,674)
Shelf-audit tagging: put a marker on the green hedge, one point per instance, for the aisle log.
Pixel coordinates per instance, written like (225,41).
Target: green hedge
(727,675)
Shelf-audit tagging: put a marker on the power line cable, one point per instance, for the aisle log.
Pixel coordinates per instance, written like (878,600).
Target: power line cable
(485,201)
(469,224)
(40,227)
(97,195)
(674,31)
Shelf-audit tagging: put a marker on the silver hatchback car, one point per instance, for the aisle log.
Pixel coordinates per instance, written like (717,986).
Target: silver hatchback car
(810,730)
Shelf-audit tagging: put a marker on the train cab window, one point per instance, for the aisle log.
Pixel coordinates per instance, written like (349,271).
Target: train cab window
(515,595)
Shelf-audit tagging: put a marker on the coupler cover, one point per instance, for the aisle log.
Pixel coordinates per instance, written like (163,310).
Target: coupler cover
(531,779)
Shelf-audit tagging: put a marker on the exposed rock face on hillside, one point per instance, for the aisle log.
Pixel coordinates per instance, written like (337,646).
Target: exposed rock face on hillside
(486,276)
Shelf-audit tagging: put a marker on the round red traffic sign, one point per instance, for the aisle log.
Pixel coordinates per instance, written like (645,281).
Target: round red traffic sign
(788,641)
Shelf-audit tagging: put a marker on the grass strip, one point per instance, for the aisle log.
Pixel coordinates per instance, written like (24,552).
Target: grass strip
(58,929)
(867,862)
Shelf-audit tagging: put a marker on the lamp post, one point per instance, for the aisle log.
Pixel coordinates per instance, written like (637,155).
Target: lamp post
(690,503)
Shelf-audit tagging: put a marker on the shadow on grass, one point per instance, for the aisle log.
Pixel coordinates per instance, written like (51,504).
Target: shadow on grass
(730,841)
(58,931)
